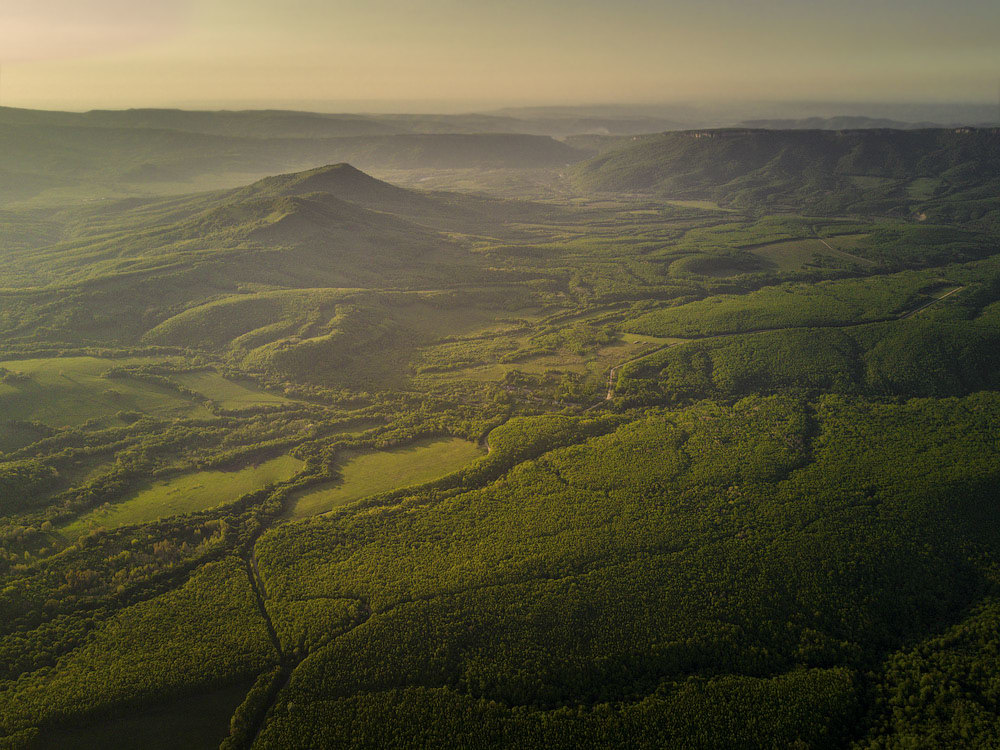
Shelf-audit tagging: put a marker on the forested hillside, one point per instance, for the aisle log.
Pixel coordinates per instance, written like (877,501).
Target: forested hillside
(700,453)
(925,173)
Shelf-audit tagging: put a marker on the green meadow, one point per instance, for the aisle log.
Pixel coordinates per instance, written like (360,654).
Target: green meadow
(228,394)
(795,255)
(382,471)
(186,493)
(68,391)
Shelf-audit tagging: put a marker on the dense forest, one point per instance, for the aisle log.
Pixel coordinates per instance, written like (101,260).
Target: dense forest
(686,446)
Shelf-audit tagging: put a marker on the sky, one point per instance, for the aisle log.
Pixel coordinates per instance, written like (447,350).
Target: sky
(455,54)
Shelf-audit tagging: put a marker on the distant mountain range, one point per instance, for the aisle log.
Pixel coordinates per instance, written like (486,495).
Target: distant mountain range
(93,155)
(292,124)
(844,163)
(845,122)
(870,171)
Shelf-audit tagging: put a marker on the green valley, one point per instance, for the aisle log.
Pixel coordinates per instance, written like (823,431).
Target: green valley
(682,440)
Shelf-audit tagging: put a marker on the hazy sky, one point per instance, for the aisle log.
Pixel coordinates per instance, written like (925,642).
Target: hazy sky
(78,54)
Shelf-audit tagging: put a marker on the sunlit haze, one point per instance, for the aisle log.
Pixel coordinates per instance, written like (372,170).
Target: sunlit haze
(450,54)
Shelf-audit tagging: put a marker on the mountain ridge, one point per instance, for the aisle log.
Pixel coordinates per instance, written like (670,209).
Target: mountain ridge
(875,171)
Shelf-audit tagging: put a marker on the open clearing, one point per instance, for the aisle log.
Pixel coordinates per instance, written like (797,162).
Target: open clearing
(923,188)
(371,473)
(592,365)
(186,493)
(68,391)
(229,394)
(703,205)
(794,255)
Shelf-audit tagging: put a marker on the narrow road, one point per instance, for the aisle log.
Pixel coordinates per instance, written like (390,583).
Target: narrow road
(843,253)
(911,313)
(258,591)
(612,374)
(614,370)
(288,662)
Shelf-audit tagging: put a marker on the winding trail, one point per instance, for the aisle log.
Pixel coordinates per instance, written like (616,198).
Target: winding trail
(613,372)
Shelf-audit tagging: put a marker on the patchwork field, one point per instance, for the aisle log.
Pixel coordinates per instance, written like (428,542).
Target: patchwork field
(372,473)
(186,494)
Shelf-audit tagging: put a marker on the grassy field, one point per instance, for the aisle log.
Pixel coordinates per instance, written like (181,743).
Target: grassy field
(923,188)
(228,394)
(371,473)
(796,254)
(704,205)
(68,391)
(593,365)
(196,722)
(185,494)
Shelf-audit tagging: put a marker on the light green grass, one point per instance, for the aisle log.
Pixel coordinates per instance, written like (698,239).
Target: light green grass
(703,205)
(923,188)
(371,473)
(186,494)
(68,391)
(593,365)
(228,394)
(794,255)
(640,338)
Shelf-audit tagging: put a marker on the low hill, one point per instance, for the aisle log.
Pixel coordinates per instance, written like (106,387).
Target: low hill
(439,210)
(453,151)
(341,180)
(140,263)
(878,171)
